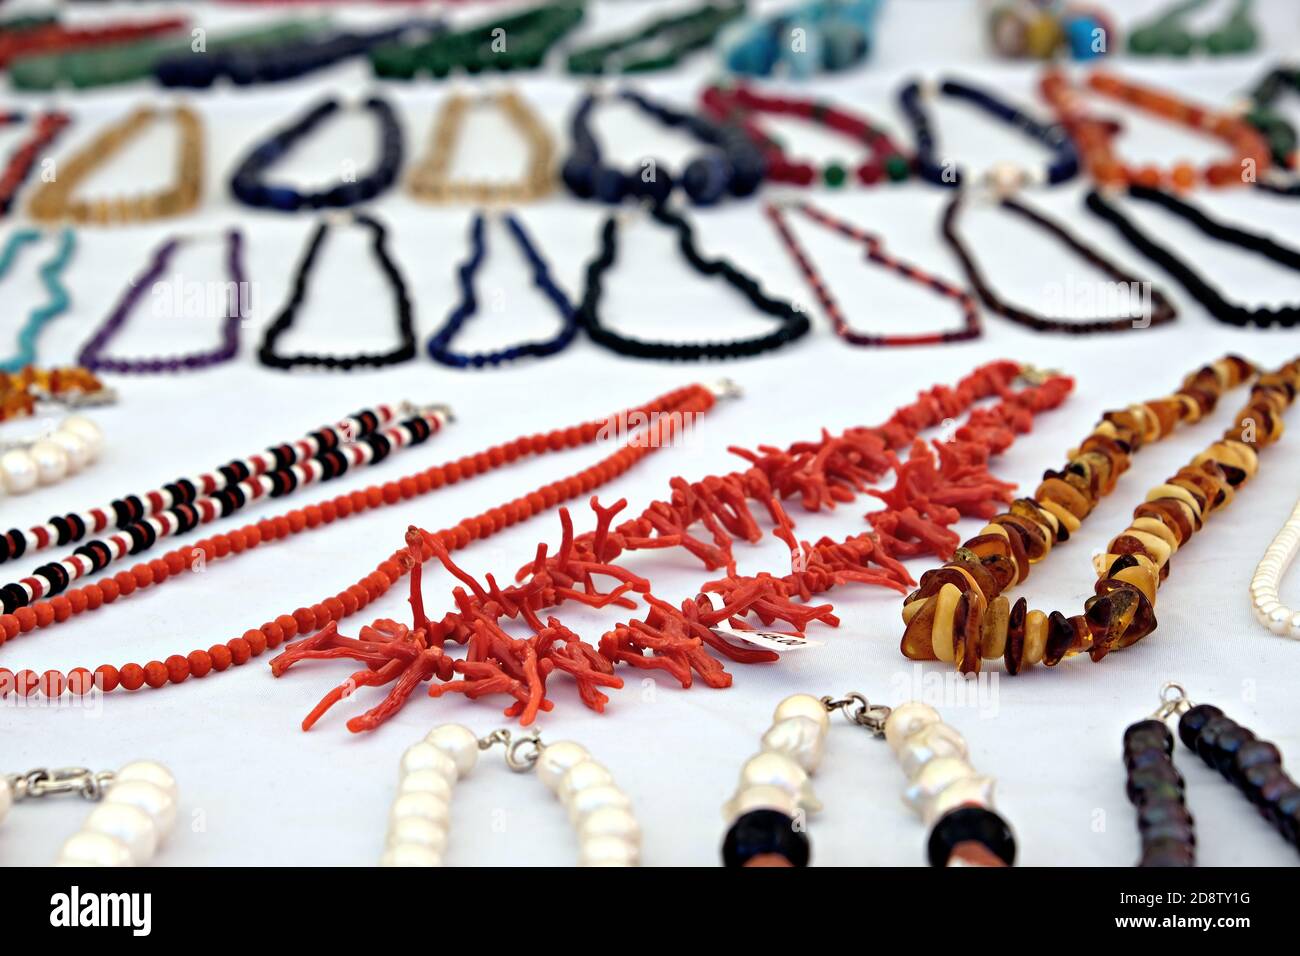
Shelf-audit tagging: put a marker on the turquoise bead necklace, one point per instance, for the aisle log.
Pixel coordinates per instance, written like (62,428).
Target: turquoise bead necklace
(52,277)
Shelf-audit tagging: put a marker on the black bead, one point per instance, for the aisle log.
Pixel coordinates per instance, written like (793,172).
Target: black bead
(1208,738)
(762,832)
(971,823)
(1226,746)
(1190,724)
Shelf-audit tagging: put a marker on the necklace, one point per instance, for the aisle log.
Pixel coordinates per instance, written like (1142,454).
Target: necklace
(431,177)
(1095,136)
(1198,287)
(742,104)
(46,128)
(875,252)
(774,795)
(54,202)
(731,166)
(959,615)
(792,324)
(1278,131)
(440,349)
(690,401)
(1264,586)
(51,272)
(1005,177)
(234,313)
(1028,30)
(1166,32)
(420,817)
(72,387)
(1155,310)
(811,37)
(289,313)
(43,39)
(658,44)
(249,186)
(49,458)
(136,810)
(1156,788)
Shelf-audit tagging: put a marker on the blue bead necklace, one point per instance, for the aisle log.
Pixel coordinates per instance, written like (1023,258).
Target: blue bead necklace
(440,344)
(821,36)
(52,277)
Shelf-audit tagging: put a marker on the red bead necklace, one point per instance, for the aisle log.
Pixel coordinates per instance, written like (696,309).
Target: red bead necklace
(666,412)
(45,129)
(58,38)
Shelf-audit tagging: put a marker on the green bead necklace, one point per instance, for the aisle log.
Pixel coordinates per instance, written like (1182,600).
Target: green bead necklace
(1166,33)
(658,44)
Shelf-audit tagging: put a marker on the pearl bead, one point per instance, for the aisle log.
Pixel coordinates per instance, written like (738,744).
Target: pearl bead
(418,831)
(977,790)
(1279,620)
(610,822)
(94,849)
(907,719)
(581,776)
(150,772)
(799,738)
(426,781)
(131,825)
(607,851)
(934,777)
(780,771)
(557,759)
(457,742)
(410,854)
(936,740)
(425,806)
(762,797)
(6,798)
(18,471)
(149,797)
(87,431)
(51,462)
(425,756)
(803,705)
(75,447)
(588,801)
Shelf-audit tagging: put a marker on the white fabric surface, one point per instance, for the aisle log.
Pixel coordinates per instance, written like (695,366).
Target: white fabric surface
(255,790)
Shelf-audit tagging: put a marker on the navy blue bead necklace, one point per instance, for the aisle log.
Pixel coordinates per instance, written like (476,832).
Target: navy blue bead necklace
(249,186)
(440,344)
(1063,166)
(732,166)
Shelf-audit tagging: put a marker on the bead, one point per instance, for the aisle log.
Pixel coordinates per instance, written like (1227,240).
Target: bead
(906,720)
(51,462)
(764,833)
(94,849)
(457,742)
(410,854)
(128,824)
(760,797)
(798,738)
(588,800)
(582,776)
(423,805)
(418,831)
(928,743)
(976,824)
(425,756)
(608,851)
(557,759)
(18,471)
(426,781)
(778,770)
(933,778)
(158,803)
(6,798)
(609,822)
(803,705)
(977,790)
(150,772)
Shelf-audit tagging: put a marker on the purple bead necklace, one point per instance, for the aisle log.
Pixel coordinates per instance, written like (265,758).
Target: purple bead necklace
(92,353)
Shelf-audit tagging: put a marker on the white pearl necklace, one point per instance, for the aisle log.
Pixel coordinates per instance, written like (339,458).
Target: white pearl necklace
(1264,586)
(136,810)
(74,445)
(418,823)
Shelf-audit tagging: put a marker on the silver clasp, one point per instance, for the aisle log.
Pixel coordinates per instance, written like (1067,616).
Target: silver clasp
(521,752)
(859,711)
(44,782)
(1173,701)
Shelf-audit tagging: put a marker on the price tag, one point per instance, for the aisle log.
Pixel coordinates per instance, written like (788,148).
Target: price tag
(769,640)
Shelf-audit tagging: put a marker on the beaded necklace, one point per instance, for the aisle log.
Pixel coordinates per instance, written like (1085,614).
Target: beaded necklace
(811,37)
(49,456)
(54,202)
(658,44)
(440,343)
(51,37)
(1199,288)
(1284,178)
(673,407)
(248,182)
(1265,597)
(959,614)
(46,128)
(792,324)
(234,303)
(431,178)
(732,166)
(1095,136)
(404,352)
(874,252)
(71,387)
(742,104)
(51,272)
(1165,33)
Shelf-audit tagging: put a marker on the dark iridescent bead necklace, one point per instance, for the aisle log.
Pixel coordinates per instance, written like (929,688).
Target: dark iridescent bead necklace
(732,166)
(440,344)
(236,303)
(793,323)
(267,354)
(248,183)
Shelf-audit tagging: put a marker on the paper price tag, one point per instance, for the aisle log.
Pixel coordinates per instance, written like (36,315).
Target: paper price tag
(770,640)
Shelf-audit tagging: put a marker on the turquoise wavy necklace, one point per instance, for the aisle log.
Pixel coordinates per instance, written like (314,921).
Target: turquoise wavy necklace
(52,277)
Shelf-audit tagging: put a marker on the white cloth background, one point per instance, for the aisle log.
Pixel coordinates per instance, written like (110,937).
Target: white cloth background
(256,790)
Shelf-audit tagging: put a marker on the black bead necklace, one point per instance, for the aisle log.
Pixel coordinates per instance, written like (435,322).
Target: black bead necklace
(1195,284)
(267,354)
(248,183)
(793,323)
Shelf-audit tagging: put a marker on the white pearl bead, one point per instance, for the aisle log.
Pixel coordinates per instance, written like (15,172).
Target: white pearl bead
(1279,620)
(608,851)
(75,447)
(936,740)
(94,849)
(457,742)
(410,854)
(907,719)
(149,797)
(557,759)
(6,798)
(778,770)
(934,777)
(18,471)
(426,806)
(426,781)
(87,430)
(418,831)
(149,771)
(610,822)
(582,776)
(803,705)
(425,756)
(762,797)
(51,462)
(588,801)
(128,824)
(976,790)
(799,738)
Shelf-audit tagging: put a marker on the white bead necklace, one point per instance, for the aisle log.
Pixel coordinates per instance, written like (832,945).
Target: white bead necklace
(1264,586)
(601,813)
(46,460)
(136,810)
